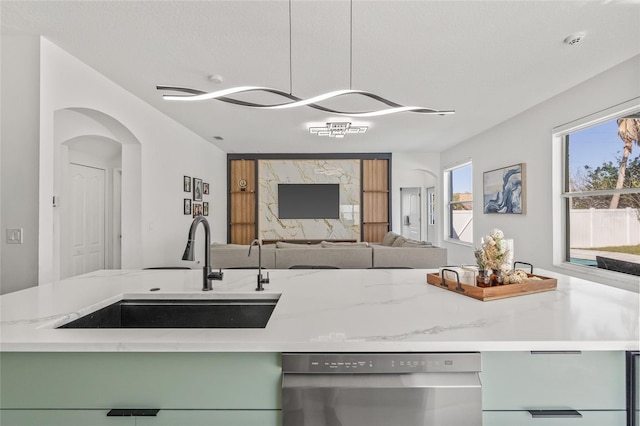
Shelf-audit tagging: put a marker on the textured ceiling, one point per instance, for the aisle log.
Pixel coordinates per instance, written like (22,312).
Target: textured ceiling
(488,60)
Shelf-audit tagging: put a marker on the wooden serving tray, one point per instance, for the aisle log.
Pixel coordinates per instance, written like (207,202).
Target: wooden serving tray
(495,292)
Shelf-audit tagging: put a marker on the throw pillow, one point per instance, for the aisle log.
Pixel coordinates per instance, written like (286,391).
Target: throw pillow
(398,242)
(389,238)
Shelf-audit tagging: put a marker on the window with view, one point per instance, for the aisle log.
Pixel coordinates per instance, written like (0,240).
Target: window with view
(602,195)
(459,203)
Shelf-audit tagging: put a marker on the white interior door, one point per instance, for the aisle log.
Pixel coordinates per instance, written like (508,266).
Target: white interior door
(411,212)
(431,215)
(117,220)
(86,220)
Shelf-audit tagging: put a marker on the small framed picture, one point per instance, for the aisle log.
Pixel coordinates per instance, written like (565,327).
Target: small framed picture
(197,209)
(205,208)
(205,189)
(197,189)
(187,206)
(186,184)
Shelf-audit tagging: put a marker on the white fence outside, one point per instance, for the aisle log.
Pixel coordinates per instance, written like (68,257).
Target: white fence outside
(463,224)
(604,227)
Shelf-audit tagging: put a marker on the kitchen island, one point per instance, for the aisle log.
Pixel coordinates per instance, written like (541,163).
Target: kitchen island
(236,373)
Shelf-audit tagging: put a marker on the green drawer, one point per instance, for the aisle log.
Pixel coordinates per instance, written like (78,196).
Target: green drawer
(140,380)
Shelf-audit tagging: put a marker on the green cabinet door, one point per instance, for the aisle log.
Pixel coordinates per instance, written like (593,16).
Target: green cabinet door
(62,418)
(212,417)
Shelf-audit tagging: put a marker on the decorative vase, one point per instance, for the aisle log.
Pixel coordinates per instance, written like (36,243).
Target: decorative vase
(484,278)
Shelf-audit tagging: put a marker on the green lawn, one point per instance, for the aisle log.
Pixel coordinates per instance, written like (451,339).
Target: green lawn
(619,249)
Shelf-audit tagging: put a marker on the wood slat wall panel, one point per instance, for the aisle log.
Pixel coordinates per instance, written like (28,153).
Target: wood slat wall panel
(375,199)
(242,207)
(375,176)
(242,234)
(374,233)
(375,207)
(243,169)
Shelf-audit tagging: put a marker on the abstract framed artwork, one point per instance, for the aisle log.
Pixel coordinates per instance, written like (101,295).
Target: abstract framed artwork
(503,190)
(186,183)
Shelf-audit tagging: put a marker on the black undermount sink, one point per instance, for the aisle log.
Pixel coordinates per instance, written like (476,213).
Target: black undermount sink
(189,313)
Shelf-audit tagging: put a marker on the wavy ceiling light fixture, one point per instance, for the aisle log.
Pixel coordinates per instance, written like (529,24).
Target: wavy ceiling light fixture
(223,95)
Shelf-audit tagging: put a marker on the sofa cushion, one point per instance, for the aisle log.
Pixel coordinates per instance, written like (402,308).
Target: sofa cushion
(426,257)
(237,256)
(329,244)
(341,257)
(389,238)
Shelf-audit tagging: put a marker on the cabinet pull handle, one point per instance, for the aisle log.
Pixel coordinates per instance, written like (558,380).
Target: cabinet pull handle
(554,414)
(556,352)
(133,412)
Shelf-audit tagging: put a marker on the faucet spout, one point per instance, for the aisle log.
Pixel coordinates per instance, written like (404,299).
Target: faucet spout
(260,280)
(189,251)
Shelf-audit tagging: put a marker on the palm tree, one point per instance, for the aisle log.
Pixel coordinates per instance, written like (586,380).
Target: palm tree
(629,131)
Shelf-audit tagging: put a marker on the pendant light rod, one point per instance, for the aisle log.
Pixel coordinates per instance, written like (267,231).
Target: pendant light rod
(290,54)
(350,44)
(224,95)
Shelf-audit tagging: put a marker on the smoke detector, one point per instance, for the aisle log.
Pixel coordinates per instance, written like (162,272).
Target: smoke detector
(215,78)
(574,38)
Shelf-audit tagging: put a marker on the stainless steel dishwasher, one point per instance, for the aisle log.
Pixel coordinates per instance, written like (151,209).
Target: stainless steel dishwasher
(375,389)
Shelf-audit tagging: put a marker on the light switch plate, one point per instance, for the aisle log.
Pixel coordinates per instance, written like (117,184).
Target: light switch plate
(14,235)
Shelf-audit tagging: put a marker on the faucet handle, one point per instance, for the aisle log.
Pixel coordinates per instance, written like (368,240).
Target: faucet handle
(263,280)
(216,275)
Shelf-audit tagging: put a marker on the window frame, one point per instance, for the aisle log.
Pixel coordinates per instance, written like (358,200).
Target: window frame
(561,198)
(447,205)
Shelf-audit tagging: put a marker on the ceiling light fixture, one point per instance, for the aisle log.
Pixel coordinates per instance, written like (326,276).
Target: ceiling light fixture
(337,129)
(224,95)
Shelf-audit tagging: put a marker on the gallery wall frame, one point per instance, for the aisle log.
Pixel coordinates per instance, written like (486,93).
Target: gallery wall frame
(197,189)
(187,206)
(503,190)
(186,183)
(197,209)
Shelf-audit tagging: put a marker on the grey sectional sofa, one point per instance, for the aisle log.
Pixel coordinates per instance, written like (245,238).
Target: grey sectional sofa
(405,254)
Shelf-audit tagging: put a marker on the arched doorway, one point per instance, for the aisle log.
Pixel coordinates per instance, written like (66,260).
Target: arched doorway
(93,152)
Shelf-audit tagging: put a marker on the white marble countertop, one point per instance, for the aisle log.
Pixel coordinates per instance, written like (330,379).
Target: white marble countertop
(329,311)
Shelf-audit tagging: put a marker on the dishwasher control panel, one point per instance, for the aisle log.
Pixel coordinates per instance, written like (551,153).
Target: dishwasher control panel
(380,362)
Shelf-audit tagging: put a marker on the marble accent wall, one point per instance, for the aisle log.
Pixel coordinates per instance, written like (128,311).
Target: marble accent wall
(344,172)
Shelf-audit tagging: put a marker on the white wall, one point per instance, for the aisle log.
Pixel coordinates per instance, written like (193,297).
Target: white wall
(168,152)
(414,170)
(20,63)
(527,138)
(38,79)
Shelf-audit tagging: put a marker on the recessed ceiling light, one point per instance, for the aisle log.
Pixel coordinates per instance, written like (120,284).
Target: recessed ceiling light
(574,38)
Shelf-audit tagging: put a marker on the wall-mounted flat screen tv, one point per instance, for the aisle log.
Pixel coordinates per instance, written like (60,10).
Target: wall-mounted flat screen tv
(308,201)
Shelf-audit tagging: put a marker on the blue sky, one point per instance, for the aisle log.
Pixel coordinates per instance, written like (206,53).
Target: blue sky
(595,145)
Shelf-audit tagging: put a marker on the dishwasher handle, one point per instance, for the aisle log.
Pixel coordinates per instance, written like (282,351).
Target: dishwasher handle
(381,381)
